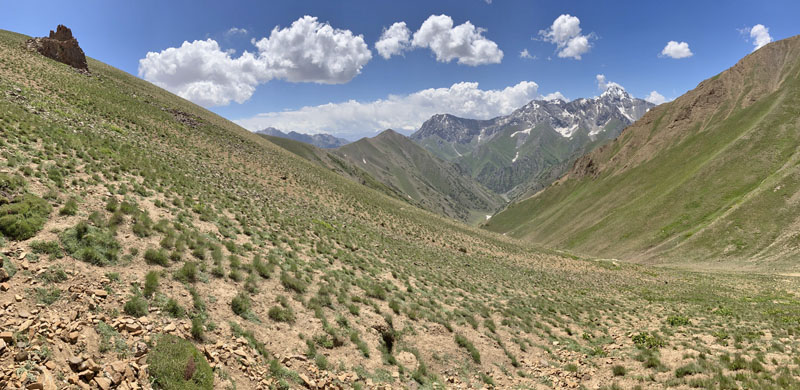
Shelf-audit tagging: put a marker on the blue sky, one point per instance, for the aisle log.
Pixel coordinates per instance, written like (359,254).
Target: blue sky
(625,41)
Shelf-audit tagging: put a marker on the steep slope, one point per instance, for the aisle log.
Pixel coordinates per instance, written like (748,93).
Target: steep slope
(435,185)
(522,152)
(709,178)
(328,159)
(128,214)
(325,141)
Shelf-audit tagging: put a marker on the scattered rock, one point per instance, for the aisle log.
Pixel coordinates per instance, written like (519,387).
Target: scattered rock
(169,328)
(308,382)
(60,46)
(4,286)
(21,356)
(35,386)
(4,275)
(75,362)
(103,383)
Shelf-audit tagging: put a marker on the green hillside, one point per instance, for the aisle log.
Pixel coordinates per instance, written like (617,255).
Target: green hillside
(147,242)
(433,184)
(710,179)
(329,160)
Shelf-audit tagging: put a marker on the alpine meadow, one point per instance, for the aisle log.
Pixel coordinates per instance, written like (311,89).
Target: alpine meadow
(323,208)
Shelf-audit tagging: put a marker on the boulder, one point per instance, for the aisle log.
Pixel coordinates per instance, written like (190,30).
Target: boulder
(60,46)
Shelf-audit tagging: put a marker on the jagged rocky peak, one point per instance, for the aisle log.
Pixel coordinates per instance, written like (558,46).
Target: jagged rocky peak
(61,46)
(450,128)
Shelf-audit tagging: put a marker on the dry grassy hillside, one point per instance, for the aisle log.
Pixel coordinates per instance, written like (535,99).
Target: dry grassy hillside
(150,243)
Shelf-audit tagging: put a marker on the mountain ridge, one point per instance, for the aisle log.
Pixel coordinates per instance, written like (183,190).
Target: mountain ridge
(524,151)
(690,179)
(325,141)
(434,184)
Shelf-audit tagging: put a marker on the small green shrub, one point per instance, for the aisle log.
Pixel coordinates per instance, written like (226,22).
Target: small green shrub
(54,274)
(150,283)
(136,306)
(175,364)
(70,207)
(47,247)
(689,369)
(678,320)
(466,344)
(174,309)
(618,370)
(292,283)
(197,328)
(23,217)
(262,269)
(156,256)
(110,339)
(47,295)
(281,314)
(187,273)
(648,341)
(240,304)
(91,244)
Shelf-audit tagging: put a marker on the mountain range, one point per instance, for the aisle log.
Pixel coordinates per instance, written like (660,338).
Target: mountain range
(710,178)
(524,151)
(325,141)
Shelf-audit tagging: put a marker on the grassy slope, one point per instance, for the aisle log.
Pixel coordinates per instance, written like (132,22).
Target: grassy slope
(329,160)
(346,259)
(709,178)
(434,184)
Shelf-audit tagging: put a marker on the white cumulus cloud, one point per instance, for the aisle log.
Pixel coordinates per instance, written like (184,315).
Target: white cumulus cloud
(394,40)
(405,112)
(464,42)
(603,84)
(655,98)
(236,30)
(306,51)
(555,96)
(310,51)
(760,35)
(676,50)
(201,72)
(526,55)
(565,33)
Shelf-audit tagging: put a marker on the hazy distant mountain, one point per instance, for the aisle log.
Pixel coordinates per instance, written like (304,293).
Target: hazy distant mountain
(528,149)
(326,141)
(434,184)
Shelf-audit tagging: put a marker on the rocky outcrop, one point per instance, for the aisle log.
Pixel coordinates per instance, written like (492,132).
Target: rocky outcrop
(60,46)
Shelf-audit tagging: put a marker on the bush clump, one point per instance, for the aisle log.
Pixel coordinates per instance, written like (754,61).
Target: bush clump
(70,208)
(240,304)
(466,344)
(281,314)
(91,244)
(678,320)
(187,273)
(175,364)
(136,306)
(648,341)
(155,256)
(23,217)
(150,284)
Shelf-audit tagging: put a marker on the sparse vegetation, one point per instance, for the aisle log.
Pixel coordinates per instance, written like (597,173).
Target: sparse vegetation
(169,361)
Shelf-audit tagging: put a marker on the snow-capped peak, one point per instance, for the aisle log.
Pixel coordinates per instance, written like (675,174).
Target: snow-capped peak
(615,91)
